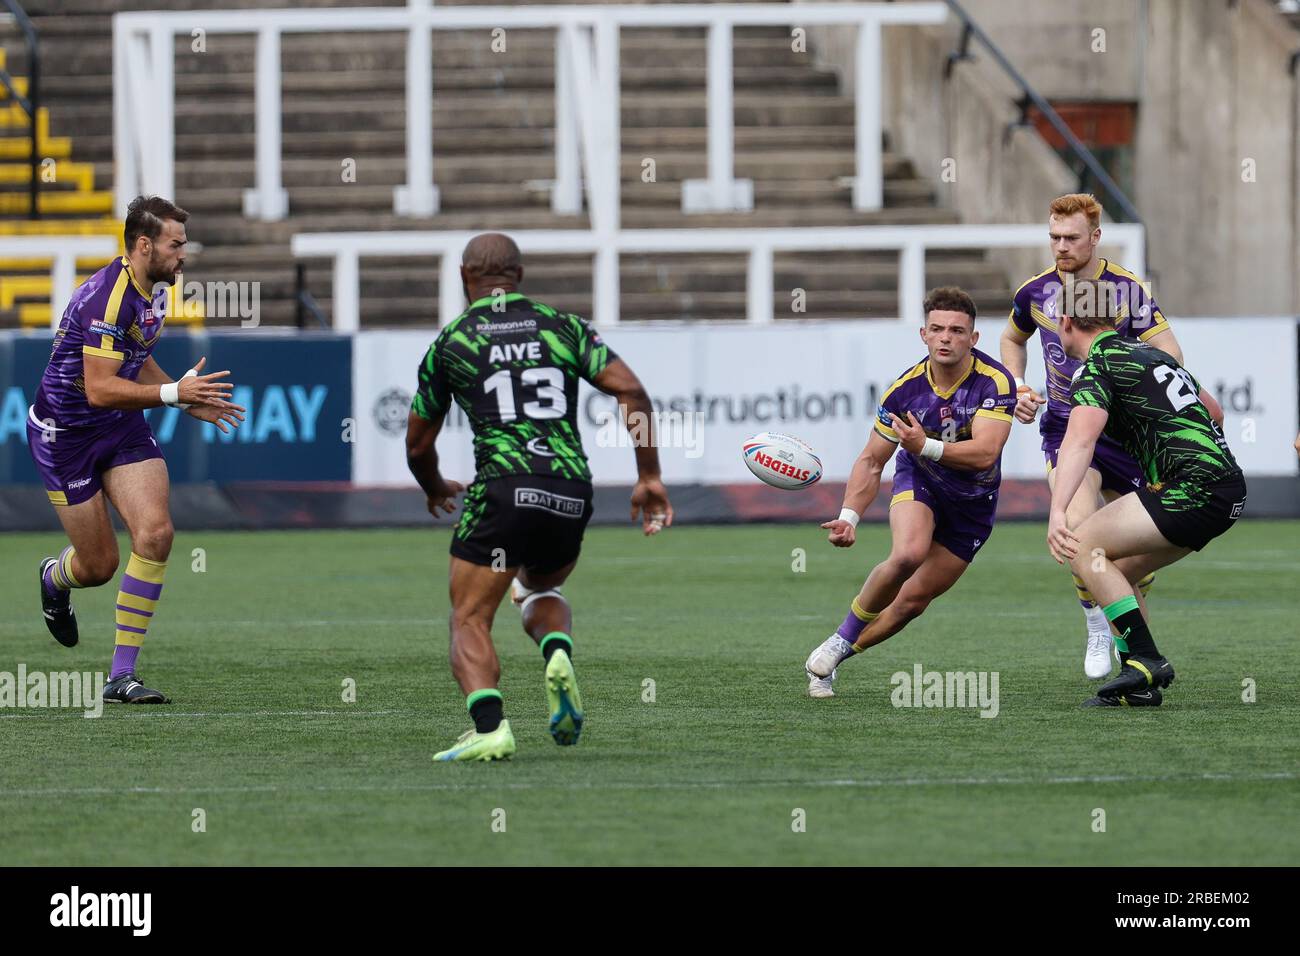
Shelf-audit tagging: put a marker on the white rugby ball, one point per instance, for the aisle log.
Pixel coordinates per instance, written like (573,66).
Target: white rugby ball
(782,461)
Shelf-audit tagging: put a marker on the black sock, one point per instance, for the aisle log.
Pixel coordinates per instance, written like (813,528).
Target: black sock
(1136,634)
(487,714)
(556,641)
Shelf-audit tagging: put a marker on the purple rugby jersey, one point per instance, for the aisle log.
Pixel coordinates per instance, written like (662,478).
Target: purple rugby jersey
(110,316)
(1035,308)
(987,391)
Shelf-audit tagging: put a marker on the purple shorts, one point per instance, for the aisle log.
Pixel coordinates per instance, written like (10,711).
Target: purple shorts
(1119,472)
(961,525)
(72,461)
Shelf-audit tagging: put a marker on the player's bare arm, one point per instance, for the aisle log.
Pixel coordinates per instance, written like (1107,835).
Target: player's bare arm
(106,389)
(1165,341)
(861,490)
(1086,426)
(649,497)
(1015,356)
(422,459)
(1212,406)
(976,453)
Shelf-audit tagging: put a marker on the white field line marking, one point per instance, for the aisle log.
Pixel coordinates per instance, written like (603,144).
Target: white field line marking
(682,785)
(139,711)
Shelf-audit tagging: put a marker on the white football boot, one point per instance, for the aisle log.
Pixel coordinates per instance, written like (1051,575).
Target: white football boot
(827,656)
(819,687)
(1096,662)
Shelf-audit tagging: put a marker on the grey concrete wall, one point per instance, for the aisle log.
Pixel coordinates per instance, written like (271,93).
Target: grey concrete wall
(1213,90)
(1000,177)
(1059,50)
(1217,93)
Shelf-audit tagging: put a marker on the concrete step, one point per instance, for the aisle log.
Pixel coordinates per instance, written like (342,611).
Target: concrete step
(229,227)
(671,167)
(330,52)
(68,50)
(219,116)
(47,8)
(537,141)
(839,274)
(294,82)
(505,197)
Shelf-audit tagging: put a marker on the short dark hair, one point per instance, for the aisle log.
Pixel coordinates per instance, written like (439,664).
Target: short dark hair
(949,298)
(145,217)
(1090,303)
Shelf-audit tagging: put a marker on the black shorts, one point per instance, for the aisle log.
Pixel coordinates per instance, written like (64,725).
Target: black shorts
(1191,515)
(523,520)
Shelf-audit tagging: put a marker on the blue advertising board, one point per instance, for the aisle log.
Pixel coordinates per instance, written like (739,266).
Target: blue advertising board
(296,386)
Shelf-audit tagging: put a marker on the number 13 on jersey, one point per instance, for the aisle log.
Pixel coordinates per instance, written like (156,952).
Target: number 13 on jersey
(542,388)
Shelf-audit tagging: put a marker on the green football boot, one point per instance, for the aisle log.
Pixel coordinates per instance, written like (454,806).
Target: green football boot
(499,744)
(563,698)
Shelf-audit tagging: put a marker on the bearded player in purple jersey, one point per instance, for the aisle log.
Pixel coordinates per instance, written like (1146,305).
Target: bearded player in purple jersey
(88,436)
(1074,227)
(951,413)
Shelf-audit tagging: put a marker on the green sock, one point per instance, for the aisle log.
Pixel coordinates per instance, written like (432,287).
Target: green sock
(486,707)
(556,641)
(1133,635)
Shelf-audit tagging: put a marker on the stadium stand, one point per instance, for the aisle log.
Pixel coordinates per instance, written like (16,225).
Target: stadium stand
(493,122)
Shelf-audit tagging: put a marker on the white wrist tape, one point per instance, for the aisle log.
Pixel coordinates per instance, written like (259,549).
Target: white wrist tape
(170,393)
(849,515)
(933,449)
(1020,383)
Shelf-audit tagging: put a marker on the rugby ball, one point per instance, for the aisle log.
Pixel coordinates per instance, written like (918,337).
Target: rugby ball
(782,461)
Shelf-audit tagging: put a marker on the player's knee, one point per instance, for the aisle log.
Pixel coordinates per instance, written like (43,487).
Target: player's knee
(905,562)
(154,541)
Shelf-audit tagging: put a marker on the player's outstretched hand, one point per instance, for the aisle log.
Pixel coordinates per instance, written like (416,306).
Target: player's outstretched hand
(205,389)
(910,433)
(1027,402)
(220,417)
(842,534)
(442,501)
(650,499)
(1061,541)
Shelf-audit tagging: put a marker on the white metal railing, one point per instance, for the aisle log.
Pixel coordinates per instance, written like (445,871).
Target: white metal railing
(587,92)
(911,242)
(62,251)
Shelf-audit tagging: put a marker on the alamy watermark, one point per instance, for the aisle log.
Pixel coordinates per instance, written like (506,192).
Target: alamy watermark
(951,689)
(663,429)
(211,300)
(57,689)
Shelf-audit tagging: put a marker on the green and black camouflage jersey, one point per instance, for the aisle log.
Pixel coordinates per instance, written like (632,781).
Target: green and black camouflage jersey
(1154,413)
(514,369)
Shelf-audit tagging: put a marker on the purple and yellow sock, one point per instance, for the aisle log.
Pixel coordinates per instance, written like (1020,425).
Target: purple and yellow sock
(855,621)
(1085,596)
(141,587)
(1145,584)
(58,576)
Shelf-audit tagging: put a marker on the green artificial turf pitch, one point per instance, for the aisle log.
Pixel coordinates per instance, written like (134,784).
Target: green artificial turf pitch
(255,651)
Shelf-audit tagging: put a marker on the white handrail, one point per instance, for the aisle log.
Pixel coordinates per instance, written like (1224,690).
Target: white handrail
(143,90)
(63,252)
(912,243)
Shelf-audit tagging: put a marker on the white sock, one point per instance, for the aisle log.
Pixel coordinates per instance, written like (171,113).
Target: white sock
(1096,620)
